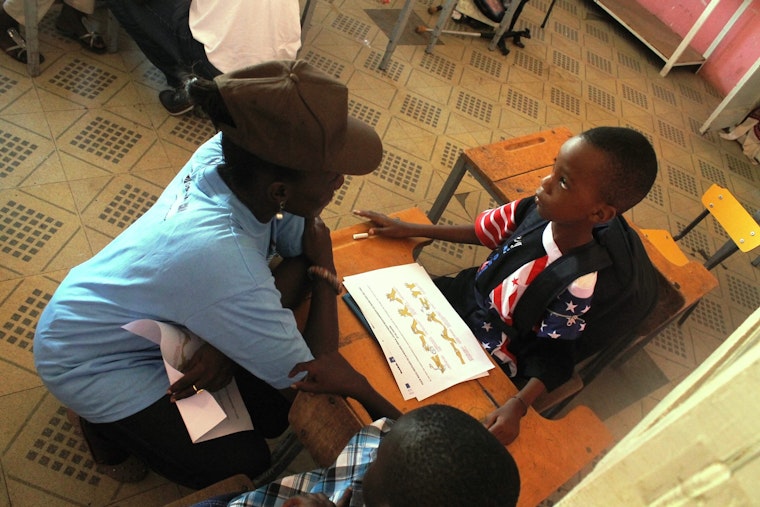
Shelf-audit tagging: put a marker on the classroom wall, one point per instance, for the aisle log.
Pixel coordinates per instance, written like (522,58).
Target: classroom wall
(737,52)
(698,446)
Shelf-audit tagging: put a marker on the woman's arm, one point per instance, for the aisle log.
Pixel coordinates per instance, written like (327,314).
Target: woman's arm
(331,373)
(391,228)
(321,327)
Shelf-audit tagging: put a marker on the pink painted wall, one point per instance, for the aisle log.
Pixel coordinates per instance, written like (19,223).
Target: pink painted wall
(740,47)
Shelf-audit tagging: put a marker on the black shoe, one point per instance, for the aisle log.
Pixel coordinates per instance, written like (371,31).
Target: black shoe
(175,101)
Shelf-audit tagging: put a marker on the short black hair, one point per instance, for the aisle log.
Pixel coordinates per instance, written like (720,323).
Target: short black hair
(631,165)
(447,457)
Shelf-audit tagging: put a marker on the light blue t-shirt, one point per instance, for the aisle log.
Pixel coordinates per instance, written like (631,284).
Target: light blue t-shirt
(198,258)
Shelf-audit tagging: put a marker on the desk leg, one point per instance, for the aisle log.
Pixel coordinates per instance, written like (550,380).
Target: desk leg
(398,29)
(448,189)
(112,32)
(306,16)
(32,38)
(548,13)
(445,14)
(504,24)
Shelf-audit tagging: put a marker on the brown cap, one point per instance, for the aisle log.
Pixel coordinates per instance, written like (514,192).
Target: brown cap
(294,115)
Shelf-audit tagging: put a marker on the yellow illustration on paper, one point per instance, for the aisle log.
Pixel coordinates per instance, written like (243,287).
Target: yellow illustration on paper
(427,345)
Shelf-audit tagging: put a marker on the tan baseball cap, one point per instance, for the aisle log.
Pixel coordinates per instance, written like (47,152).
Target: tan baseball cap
(292,114)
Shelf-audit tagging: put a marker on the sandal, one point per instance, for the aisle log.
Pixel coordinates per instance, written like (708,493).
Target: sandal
(84,33)
(18,50)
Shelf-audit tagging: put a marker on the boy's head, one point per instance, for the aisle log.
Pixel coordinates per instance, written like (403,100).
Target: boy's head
(438,455)
(630,168)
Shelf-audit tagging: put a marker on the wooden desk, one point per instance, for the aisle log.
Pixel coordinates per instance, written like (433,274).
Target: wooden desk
(507,169)
(547,452)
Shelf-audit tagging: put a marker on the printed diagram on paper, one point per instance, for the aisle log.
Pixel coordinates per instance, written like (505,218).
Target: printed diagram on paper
(427,345)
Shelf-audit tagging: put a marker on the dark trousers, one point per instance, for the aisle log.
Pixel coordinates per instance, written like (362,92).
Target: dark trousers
(160,29)
(158,435)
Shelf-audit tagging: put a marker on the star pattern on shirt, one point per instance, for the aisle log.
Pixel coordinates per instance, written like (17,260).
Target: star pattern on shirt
(565,325)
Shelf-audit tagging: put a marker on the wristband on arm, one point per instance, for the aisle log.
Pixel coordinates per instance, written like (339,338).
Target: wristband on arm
(317,273)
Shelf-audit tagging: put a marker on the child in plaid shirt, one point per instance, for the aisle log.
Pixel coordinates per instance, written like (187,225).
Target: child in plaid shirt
(432,456)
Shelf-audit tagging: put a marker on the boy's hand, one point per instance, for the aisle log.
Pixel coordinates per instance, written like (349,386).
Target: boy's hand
(384,225)
(504,422)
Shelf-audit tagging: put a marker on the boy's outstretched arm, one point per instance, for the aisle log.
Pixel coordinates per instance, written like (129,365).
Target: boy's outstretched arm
(504,422)
(331,373)
(383,225)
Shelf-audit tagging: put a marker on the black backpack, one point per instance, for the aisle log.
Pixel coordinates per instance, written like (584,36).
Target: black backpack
(626,288)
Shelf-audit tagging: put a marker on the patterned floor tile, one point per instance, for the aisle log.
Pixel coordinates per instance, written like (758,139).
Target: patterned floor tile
(86,148)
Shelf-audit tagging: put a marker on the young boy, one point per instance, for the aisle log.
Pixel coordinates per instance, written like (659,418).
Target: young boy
(434,455)
(597,175)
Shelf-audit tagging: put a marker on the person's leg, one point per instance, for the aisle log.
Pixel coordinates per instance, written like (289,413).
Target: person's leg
(266,405)
(73,22)
(151,26)
(193,52)
(155,26)
(158,436)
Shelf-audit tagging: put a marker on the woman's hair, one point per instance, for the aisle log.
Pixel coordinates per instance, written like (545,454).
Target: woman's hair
(446,457)
(240,166)
(631,165)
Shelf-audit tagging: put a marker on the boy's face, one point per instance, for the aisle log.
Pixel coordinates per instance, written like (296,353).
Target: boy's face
(571,192)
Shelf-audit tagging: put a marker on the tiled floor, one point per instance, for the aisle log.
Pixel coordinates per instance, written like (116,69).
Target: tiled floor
(86,147)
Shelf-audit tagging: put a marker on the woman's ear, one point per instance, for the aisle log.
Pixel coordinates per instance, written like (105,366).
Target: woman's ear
(277,191)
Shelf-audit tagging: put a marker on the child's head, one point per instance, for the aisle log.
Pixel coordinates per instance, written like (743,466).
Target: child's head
(438,455)
(630,168)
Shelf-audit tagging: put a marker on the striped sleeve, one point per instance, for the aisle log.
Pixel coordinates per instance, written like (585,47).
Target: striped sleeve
(495,225)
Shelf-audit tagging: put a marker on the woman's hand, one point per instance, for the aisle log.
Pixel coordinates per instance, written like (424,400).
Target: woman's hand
(207,369)
(330,373)
(504,422)
(317,245)
(383,225)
